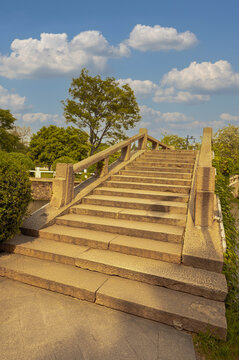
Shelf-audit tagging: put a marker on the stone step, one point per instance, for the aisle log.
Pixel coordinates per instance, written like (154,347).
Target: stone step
(162,169)
(173,276)
(159,160)
(152,185)
(167,156)
(137,203)
(177,151)
(152,180)
(153,231)
(129,214)
(183,310)
(142,191)
(131,245)
(154,173)
(159,164)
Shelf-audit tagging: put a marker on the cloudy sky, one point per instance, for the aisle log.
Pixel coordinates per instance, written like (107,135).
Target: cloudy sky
(180,57)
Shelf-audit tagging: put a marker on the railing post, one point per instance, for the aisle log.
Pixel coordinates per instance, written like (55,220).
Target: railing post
(143,141)
(205,183)
(125,153)
(105,168)
(63,185)
(155,146)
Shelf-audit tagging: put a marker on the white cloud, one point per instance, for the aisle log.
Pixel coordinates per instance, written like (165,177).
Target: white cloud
(42,118)
(205,77)
(157,38)
(149,114)
(54,55)
(171,95)
(142,88)
(10,100)
(229,117)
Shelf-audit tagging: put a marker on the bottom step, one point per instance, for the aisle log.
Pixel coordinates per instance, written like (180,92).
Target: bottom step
(184,311)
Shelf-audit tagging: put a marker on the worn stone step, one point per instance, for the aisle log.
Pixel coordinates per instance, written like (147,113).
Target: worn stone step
(61,278)
(162,169)
(159,160)
(137,203)
(153,184)
(177,151)
(173,276)
(129,214)
(157,165)
(154,173)
(131,245)
(167,156)
(153,231)
(152,180)
(142,191)
(186,311)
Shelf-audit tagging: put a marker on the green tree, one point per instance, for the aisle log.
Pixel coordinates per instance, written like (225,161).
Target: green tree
(102,108)
(52,142)
(8,141)
(226,148)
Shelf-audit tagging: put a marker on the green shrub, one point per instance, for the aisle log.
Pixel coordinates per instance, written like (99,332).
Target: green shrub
(64,160)
(206,343)
(23,159)
(15,195)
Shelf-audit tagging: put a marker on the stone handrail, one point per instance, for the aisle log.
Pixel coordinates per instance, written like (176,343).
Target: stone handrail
(205,183)
(63,184)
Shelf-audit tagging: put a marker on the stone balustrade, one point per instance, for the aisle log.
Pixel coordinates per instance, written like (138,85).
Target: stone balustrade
(63,183)
(205,183)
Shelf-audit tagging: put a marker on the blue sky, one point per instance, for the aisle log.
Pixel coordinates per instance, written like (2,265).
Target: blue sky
(180,57)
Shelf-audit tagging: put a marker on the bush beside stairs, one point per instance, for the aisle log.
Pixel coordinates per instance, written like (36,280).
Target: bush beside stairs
(121,247)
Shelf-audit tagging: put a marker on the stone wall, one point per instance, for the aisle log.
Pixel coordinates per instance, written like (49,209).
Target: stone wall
(41,188)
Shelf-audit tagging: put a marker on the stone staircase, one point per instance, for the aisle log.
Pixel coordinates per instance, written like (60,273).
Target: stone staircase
(121,247)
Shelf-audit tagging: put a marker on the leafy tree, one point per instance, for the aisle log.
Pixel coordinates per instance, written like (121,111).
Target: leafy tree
(102,108)
(22,159)
(179,142)
(8,142)
(226,148)
(52,142)
(63,159)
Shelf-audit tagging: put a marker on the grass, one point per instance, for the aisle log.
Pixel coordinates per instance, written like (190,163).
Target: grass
(206,344)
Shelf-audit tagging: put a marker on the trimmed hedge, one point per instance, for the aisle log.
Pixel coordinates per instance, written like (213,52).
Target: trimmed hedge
(15,195)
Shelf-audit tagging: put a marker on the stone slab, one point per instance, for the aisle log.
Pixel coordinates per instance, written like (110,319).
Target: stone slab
(78,236)
(137,203)
(155,272)
(179,309)
(129,214)
(61,278)
(155,231)
(203,246)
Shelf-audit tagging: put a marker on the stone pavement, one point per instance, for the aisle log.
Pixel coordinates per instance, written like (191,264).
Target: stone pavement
(40,325)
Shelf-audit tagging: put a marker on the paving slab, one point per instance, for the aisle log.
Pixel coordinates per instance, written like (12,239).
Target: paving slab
(41,325)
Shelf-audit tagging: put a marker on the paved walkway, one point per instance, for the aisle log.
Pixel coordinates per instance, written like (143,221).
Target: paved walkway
(40,325)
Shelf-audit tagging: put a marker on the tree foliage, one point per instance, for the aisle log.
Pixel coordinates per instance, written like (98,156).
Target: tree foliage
(52,142)
(8,141)
(226,148)
(15,195)
(102,108)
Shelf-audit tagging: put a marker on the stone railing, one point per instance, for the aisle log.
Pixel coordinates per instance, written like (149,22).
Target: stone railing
(63,183)
(205,183)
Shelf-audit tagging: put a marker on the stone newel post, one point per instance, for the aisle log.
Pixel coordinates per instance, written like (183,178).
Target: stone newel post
(63,185)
